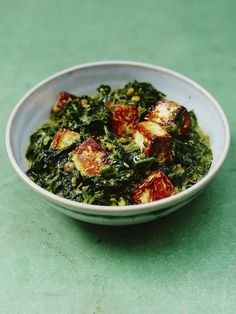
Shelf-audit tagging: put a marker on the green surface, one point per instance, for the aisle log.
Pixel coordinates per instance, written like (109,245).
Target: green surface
(184,263)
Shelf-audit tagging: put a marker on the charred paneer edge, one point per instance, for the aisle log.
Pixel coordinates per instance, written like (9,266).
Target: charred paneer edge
(64,138)
(123,118)
(171,116)
(153,140)
(123,146)
(62,100)
(154,187)
(90,158)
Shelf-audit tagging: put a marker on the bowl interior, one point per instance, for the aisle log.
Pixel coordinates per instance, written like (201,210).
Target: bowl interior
(34,108)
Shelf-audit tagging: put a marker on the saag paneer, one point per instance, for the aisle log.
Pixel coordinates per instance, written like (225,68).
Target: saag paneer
(123,146)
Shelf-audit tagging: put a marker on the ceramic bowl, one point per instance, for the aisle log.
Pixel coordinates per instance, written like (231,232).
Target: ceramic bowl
(34,109)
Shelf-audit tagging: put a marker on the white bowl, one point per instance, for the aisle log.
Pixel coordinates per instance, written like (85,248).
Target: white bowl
(34,109)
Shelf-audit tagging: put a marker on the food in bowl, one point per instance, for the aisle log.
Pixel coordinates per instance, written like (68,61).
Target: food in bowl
(35,106)
(123,146)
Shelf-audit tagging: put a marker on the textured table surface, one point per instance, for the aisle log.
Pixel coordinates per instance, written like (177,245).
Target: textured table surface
(184,263)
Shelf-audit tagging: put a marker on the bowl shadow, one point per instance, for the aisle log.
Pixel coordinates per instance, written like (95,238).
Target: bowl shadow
(167,232)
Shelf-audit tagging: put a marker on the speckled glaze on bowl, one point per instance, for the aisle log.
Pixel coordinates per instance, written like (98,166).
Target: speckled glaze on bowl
(34,109)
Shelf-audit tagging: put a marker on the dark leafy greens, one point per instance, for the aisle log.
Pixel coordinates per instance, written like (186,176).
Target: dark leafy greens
(54,170)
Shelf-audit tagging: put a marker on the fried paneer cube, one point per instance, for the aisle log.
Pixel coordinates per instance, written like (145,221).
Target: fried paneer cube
(153,140)
(62,100)
(90,158)
(123,118)
(155,187)
(171,116)
(64,138)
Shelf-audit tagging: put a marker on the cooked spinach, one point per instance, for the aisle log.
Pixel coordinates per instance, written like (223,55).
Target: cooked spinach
(126,165)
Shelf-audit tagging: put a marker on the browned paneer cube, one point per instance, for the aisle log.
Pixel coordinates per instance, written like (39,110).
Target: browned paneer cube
(123,118)
(171,116)
(153,140)
(64,138)
(62,100)
(155,187)
(90,158)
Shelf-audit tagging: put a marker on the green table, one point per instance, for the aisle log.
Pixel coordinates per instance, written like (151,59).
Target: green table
(184,263)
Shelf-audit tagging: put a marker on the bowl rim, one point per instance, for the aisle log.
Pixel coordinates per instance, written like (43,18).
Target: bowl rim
(127,209)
